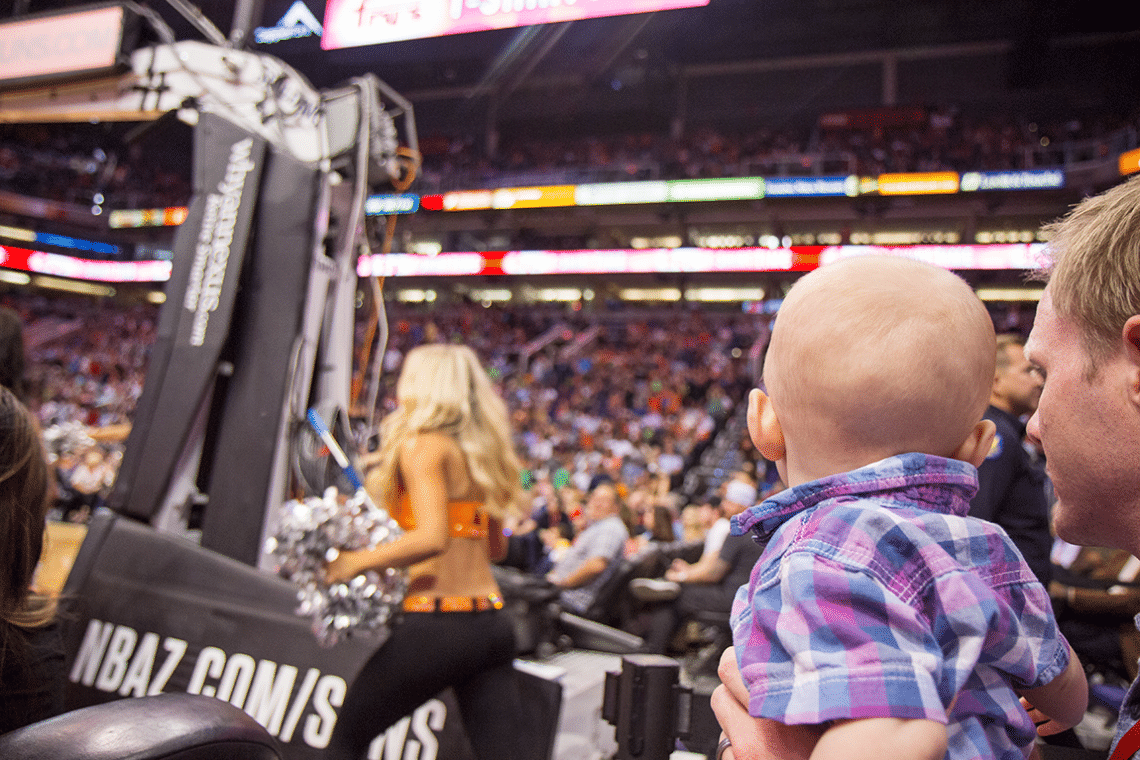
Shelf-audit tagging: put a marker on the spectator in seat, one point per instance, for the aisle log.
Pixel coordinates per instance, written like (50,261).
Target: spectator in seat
(595,553)
(91,478)
(710,568)
(1096,593)
(708,585)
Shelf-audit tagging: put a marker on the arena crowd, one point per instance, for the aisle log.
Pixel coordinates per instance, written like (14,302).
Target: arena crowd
(74,164)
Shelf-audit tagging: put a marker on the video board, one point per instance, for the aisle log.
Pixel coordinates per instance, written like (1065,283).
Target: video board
(352,23)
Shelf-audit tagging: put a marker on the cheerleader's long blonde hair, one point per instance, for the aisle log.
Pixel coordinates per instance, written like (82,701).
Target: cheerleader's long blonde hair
(443,388)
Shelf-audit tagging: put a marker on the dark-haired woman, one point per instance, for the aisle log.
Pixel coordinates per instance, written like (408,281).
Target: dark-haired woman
(31,654)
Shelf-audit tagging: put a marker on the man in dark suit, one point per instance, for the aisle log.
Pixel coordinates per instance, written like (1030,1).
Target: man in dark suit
(1011,485)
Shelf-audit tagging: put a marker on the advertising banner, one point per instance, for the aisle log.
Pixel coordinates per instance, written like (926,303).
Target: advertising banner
(957,257)
(811,187)
(1129,162)
(1024,179)
(210,248)
(59,265)
(172,216)
(918,183)
(688,259)
(395,203)
(349,23)
(65,44)
(509,197)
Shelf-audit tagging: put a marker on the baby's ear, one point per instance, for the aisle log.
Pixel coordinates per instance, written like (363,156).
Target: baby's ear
(979,443)
(764,427)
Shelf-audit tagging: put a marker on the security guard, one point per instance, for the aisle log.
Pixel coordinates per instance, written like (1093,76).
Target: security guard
(1011,486)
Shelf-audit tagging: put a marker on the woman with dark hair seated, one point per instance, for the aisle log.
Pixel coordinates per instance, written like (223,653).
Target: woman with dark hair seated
(31,653)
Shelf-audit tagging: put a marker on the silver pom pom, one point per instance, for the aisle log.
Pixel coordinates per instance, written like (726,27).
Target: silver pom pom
(310,534)
(67,438)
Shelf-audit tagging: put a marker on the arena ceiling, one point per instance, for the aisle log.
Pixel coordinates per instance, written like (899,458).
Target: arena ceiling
(623,50)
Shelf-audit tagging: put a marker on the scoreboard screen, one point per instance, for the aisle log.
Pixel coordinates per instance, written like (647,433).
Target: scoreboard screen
(351,23)
(57,46)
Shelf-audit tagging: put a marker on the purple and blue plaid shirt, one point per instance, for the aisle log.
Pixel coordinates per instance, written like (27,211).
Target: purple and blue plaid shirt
(876,596)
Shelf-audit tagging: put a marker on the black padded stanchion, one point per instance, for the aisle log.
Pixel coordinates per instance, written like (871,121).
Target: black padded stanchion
(163,727)
(647,706)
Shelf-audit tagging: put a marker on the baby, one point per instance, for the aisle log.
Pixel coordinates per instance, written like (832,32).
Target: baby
(881,621)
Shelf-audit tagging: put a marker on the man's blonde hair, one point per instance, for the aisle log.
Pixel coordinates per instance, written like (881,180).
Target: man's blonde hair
(444,389)
(1094,268)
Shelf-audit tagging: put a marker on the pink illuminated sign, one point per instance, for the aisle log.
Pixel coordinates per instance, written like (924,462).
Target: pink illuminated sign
(42,262)
(631,261)
(62,44)
(351,23)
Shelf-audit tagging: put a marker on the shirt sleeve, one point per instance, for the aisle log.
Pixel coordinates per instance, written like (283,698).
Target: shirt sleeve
(607,543)
(714,539)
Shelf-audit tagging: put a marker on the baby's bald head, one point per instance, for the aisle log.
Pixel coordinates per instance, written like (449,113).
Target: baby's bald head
(875,356)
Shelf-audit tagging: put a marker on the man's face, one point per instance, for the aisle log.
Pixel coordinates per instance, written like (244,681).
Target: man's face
(1090,434)
(601,504)
(1017,387)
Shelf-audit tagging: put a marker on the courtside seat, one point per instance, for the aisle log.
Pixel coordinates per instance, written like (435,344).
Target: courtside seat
(163,727)
(717,635)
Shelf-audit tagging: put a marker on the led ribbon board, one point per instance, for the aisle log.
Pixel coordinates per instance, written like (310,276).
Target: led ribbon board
(56,46)
(799,258)
(59,265)
(351,23)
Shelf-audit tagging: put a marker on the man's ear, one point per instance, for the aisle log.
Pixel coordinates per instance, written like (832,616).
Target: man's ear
(1131,336)
(978,444)
(764,427)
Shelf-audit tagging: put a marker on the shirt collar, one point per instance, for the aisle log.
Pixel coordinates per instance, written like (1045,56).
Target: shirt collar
(928,482)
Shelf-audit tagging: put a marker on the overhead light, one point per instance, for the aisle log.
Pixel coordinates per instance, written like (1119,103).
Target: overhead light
(1006,236)
(427,247)
(558,294)
(415,296)
(718,295)
(16,278)
(1010,294)
(650,294)
(896,237)
(490,294)
(73,286)
(664,241)
(17,233)
(156,296)
(724,240)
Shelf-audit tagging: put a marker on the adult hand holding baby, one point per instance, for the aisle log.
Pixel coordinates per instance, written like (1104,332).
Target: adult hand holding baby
(754,738)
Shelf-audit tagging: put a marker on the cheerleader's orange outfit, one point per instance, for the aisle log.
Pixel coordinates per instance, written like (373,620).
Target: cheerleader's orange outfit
(465,519)
(467,643)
